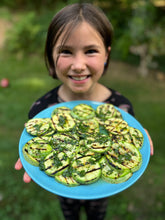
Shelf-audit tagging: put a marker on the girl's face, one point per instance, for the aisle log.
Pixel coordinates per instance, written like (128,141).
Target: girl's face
(80,62)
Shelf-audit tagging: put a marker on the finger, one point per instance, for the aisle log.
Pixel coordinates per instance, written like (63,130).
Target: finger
(151,148)
(18,165)
(151,144)
(26,178)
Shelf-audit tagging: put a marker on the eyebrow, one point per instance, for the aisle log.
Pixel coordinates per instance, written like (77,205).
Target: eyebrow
(92,46)
(70,47)
(63,47)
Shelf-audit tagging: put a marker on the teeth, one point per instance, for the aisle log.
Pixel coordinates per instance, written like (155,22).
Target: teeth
(79,78)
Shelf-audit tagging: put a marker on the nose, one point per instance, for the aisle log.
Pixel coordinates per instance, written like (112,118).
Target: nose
(78,63)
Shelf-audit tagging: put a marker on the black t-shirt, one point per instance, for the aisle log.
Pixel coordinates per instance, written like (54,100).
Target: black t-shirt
(52,98)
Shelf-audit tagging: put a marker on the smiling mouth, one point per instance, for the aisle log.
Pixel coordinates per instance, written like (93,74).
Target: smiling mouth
(79,78)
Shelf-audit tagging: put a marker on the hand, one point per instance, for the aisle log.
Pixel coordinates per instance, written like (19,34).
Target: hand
(151,143)
(18,166)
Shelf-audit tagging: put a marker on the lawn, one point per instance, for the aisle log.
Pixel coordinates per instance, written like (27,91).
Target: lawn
(28,77)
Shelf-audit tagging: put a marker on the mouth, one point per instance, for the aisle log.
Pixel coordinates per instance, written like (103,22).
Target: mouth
(79,78)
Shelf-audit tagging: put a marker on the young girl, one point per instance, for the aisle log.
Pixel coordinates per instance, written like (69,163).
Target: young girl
(77,53)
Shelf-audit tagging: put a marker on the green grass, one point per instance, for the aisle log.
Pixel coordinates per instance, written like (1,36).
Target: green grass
(29,80)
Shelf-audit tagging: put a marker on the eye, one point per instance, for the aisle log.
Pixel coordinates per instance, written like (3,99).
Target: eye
(65,52)
(91,51)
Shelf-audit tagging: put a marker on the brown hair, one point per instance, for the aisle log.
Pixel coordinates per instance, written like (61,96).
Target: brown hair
(67,19)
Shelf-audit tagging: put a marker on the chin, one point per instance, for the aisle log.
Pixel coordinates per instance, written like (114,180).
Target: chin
(80,90)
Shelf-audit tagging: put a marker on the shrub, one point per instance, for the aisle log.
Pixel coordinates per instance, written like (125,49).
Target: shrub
(25,36)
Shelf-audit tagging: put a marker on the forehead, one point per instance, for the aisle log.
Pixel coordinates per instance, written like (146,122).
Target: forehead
(82,32)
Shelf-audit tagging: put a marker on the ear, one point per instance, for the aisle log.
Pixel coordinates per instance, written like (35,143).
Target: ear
(107,54)
(108,51)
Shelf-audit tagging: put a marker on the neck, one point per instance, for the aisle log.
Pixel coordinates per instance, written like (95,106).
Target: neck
(99,93)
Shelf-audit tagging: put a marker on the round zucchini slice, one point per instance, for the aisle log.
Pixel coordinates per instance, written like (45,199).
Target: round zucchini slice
(62,109)
(54,163)
(67,181)
(116,126)
(66,142)
(134,136)
(123,155)
(137,137)
(35,149)
(64,139)
(37,126)
(66,178)
(63,122)
(106,111)
(99,144)
(83,112)
(93,155)
(32,160)
(87,127)
(121,138)
(51,130)
(86,170)
(112,175)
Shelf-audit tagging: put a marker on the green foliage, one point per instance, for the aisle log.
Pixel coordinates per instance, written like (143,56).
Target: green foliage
(28,32)
(157,40)
(5,13)
(122,45)
(139,31)
(26,35)
(36,5)
(143,16)
(145,28)
(28,4)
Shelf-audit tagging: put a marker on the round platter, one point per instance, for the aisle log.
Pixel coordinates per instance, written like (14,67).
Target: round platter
(97,190)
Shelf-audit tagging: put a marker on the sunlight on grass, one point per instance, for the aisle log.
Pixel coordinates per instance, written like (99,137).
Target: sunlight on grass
(32,81)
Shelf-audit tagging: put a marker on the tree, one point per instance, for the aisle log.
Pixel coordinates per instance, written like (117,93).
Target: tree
(147,34)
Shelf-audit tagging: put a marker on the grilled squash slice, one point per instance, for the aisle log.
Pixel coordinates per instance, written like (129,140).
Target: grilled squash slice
(87,127)
(100,143)
(116,126)
(86,169)
(83,112)
(35,149)
(113,175)
(61,109)
(124,156)
(136,136)
(38,126)
(63,122)
(54,163)
(106,111)
(66,142)
(66,180)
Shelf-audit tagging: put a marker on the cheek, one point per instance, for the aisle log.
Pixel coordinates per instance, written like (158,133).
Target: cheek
(62,64)
(97,66)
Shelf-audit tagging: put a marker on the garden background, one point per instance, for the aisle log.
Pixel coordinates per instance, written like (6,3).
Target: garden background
(137,70)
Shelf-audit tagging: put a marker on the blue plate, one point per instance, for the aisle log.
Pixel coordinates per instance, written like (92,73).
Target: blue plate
(97,190)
